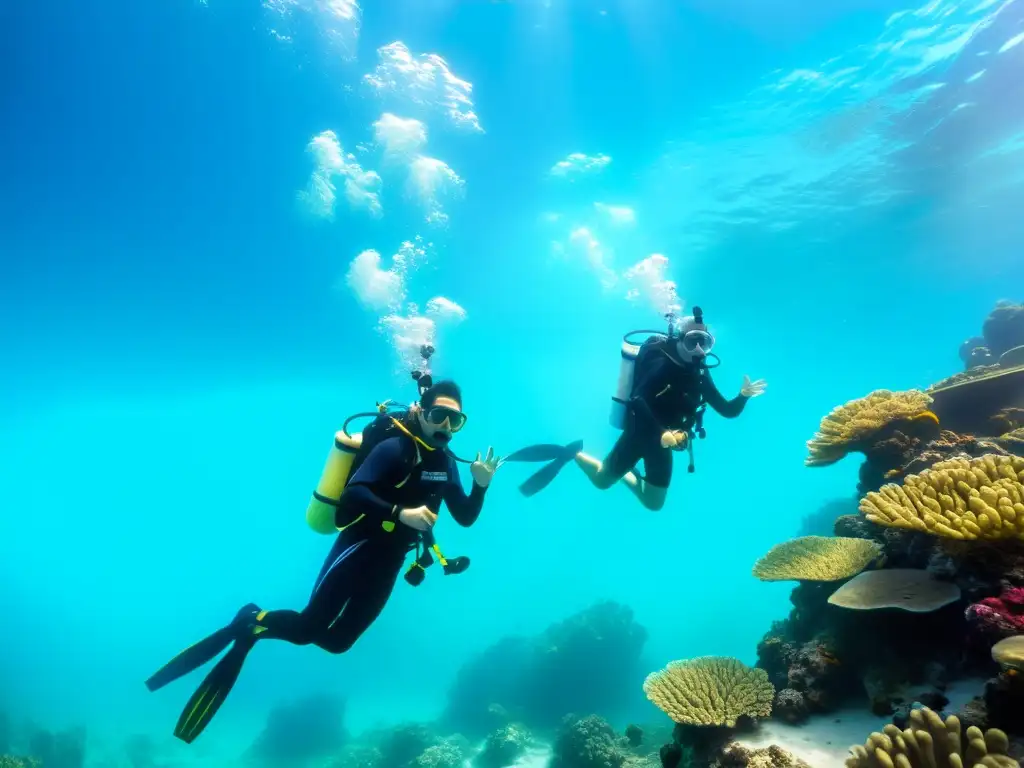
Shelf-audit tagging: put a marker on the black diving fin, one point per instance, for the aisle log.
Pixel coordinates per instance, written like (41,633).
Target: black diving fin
(206,650)
(540,479)
(209,696)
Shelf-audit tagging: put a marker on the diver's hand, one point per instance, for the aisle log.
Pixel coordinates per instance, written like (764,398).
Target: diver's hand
(483,471)
(674,439)
(752,388)
(420,518)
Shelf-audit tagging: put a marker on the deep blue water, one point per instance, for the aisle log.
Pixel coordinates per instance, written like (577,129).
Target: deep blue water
(838,188)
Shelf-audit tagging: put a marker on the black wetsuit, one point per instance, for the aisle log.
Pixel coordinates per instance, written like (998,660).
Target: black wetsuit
(358,575)
(666,396)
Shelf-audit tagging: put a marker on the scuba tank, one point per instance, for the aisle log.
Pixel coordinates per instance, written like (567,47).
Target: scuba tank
(630,351)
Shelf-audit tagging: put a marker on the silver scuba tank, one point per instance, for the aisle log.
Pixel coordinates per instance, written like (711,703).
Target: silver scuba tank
(624,388)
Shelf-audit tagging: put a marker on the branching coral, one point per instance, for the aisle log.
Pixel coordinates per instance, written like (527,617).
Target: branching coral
(930,742)
(851,426)
(980,498)
(816,558)
(710,691)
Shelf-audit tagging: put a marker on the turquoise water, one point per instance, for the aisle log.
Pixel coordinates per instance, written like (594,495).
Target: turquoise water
(200,210)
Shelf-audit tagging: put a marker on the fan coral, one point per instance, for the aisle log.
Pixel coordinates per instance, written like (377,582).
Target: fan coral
(849,427)
(816,558)
(930,742)
(980,498)
(710,691)
(907,588)
(998,617)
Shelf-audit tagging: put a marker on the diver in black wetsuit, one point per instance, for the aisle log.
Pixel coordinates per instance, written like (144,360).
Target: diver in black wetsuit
(661,410)
(390,503)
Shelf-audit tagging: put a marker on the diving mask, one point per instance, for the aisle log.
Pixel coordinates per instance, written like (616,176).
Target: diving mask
(437,414)
(697,342)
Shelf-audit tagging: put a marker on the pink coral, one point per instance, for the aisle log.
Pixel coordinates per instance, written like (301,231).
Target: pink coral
(998,617)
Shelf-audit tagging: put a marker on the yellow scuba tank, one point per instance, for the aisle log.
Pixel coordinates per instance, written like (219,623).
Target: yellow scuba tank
(324,503)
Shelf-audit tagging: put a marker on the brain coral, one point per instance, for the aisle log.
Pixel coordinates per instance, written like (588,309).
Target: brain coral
(849,426)
(980,498)
(928,742)
(816,558)
(711,690)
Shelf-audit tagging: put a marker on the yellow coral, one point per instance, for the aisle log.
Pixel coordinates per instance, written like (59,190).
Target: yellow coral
(816,558)
(930,742)
(1009,653)
(848,426)
(711,690)
(980,498)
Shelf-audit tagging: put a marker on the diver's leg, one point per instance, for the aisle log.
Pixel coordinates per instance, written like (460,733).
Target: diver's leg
(362,609)
(617,464)
(652,489)
(335,585)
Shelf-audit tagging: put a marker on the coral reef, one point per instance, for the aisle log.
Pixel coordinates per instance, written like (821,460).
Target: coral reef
(536,681)
(930,742)
(300,731)
(996,618)
(711,690)
(9,761)
(1001,332)
(589,742)
(738,756)
(1009,653)
(981,498)
(817,558)
(908,589)
(503,747)
(857,425)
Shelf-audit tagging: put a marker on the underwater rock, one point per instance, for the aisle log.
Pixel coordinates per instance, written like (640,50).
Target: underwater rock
(588,742)
(822,521)
(995,618)
(58,750)
(790,706)
(634,735)
(1004,703)
(503,747)
(536,681)
(300,731)
(737,756)
(1003,329)
(404,743)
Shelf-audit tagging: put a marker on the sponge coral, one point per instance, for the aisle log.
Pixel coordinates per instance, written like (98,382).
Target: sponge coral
(980,498)
(710,691)
(930,742)
(816,558)
(851,426)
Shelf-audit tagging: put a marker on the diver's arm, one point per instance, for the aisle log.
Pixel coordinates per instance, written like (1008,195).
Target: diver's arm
(464,508)
(382,467)
(730,409)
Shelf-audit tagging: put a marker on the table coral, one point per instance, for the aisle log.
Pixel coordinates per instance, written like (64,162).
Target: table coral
(849,427)
(816,558)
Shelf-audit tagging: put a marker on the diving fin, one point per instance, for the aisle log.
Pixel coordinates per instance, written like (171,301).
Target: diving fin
(542,452)
(209,696)
(540,479)
(207,649)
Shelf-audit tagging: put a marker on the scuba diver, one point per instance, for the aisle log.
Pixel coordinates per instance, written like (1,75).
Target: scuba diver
(664,388)
(380,493)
